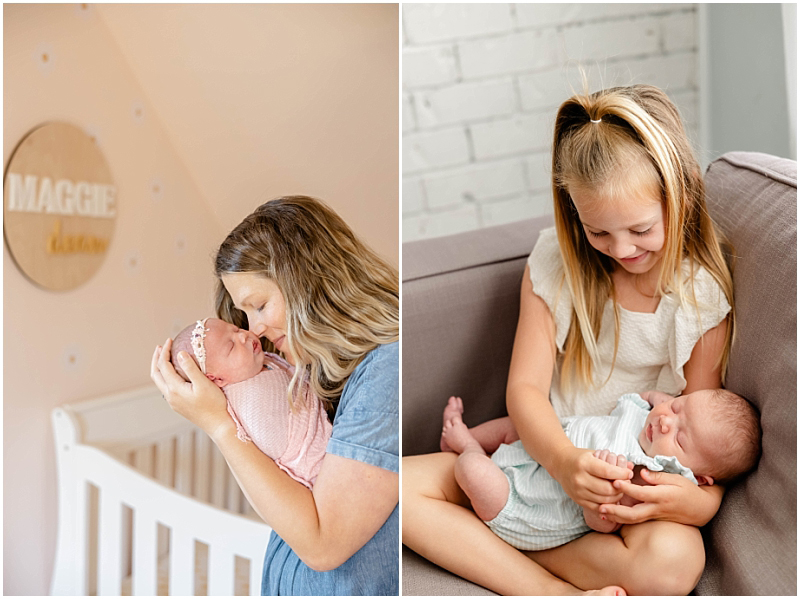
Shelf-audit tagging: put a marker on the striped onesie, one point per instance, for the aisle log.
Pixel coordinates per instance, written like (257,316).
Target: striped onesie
(538,513)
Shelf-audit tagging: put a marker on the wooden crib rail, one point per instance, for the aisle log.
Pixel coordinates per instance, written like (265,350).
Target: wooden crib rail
(125,420)
(151,503)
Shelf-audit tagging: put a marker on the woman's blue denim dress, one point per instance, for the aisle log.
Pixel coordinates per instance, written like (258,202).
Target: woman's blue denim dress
(365,428)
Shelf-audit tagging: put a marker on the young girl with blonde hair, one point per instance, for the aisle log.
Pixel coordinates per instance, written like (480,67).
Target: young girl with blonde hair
(630,291)
(294,274)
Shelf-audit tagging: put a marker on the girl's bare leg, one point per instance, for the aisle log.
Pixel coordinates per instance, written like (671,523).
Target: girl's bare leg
(438,525)
(652,558)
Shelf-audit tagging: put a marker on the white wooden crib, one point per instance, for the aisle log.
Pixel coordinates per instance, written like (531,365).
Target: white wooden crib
(147,505)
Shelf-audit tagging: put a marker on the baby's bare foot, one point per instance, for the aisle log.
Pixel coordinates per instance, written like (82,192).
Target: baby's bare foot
(457,436)
(454,407)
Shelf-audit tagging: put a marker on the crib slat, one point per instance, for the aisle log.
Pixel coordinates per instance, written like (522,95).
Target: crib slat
(109,570)
(81,550)
(219,472)
(255,577)
(234,493)
(181,563)
(183,471)
(202,466)
(71,571)
(165,474)
(164,462)
(145,580)
(220,570)
(143,459)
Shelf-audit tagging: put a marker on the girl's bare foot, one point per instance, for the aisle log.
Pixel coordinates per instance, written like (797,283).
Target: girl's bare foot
(609,591)
(454,407)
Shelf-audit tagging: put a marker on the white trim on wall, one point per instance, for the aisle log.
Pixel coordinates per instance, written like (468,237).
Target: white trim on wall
(789,14)
(703,87)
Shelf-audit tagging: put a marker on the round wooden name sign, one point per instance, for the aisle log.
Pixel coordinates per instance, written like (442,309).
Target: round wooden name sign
(59,206)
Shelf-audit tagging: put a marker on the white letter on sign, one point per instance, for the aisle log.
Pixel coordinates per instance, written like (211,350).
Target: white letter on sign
(109,195)
(46,196)
(83,198)
(22,196)
(64,187)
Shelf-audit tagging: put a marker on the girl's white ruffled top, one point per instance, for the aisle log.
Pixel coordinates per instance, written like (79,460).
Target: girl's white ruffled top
(653,348)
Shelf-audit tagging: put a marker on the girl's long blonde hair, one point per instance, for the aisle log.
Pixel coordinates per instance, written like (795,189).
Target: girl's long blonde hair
(342,299)
(640,138)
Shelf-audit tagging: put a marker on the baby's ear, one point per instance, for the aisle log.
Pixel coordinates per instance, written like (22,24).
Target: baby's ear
(704,480)
(215,379)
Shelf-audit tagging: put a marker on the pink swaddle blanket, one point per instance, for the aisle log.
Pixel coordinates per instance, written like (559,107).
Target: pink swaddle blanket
(295,440)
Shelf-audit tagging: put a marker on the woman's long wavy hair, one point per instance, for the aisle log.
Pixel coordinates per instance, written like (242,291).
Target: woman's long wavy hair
(342,299)
(640,140)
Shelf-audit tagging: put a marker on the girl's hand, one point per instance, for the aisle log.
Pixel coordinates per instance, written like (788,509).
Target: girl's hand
(671,497)
(587,479)
(613,459)
(199,401)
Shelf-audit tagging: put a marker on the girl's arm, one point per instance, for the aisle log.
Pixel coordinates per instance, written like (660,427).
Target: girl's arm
(702,370)
(585,479)
(673,497)
(349,503)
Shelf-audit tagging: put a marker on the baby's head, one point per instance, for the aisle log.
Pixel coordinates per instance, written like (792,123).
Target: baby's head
(225,353)
(715,433)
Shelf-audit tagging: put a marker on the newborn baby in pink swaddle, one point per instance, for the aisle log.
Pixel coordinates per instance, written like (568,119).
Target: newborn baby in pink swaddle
(256,385)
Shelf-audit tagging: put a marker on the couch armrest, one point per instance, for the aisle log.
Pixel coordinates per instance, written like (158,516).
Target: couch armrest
(751,544)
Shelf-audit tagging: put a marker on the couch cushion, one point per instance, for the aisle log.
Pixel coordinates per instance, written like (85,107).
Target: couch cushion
(422,578)
(460,308)
(752,542)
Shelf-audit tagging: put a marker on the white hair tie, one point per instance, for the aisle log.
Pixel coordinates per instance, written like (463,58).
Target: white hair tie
(596,121)
(199,343)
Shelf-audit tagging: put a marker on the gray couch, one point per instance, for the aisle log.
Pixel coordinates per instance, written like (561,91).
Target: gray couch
(460,305)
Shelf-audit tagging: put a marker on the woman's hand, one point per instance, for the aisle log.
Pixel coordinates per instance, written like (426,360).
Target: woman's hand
(671,497)
(199,401)
(587,479)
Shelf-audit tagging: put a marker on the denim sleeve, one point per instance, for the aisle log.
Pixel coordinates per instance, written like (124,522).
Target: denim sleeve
(366,426)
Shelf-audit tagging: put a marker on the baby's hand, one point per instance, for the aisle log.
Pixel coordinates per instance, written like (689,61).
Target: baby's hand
(613,459)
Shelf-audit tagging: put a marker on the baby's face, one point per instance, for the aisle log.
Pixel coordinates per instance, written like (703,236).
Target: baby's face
(232,355)
(684,427)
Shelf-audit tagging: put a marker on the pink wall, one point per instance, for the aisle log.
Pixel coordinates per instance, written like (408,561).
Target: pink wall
(261,100)
(156,278)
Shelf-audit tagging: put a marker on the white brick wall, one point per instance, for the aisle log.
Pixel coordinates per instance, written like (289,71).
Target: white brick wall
(464,102)
(434,149)
(427,23)
(481,86)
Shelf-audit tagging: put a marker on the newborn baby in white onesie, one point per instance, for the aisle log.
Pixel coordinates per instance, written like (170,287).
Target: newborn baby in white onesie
(707,436)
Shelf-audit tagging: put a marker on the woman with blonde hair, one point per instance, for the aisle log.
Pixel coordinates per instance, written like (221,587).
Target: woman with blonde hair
(630,291)
(295,274)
